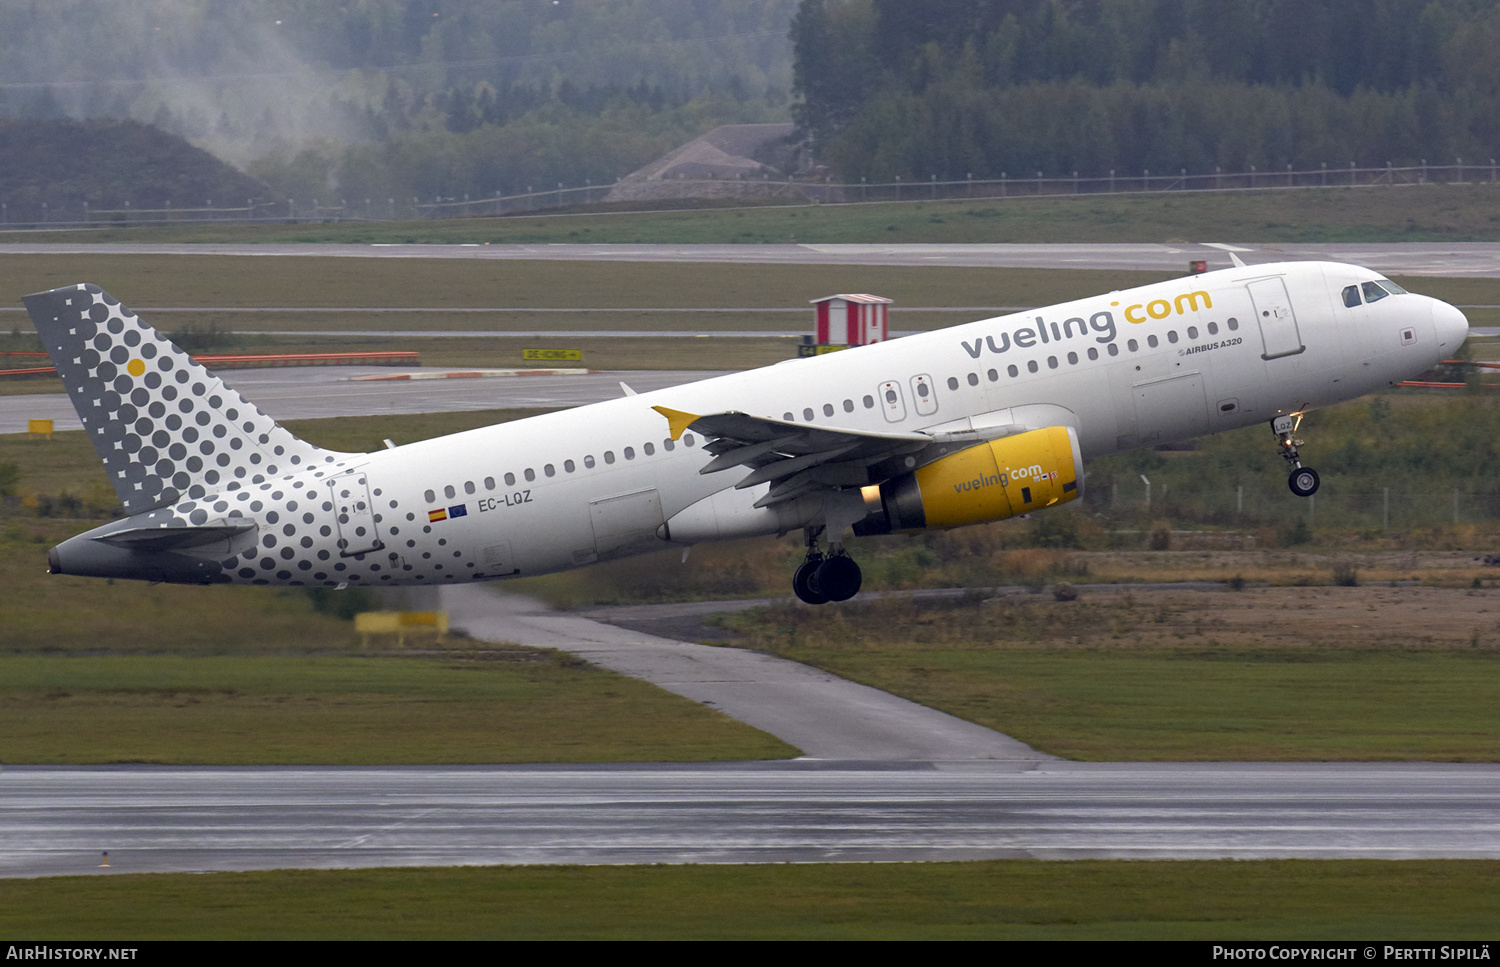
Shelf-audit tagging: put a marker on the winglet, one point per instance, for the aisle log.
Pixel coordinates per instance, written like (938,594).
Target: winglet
(628,391)
(1236,260)
(677,421)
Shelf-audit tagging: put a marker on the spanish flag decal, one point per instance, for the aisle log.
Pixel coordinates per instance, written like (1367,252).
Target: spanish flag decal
(445,513)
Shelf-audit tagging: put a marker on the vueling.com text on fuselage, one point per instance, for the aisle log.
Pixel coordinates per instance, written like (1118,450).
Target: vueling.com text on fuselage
(1101,323)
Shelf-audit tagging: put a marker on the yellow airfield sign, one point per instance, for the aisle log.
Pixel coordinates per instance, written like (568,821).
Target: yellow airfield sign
(551,354)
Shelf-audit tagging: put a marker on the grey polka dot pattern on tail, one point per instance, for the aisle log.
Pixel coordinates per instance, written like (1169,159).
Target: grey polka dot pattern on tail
(165,427)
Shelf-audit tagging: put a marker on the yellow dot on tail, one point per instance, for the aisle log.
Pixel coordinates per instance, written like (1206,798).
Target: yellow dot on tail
(135,367)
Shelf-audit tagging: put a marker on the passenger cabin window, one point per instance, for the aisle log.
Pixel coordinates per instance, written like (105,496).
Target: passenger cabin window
(869,402)
(468,486)
(569,466)
(952,384)
(530,474)
(649,448)
(629,453)
(489,483)
(668,445)
(687,439)
(827,409)
(609,456)
(807,414)
(510,480)
(848,406)
(430,496)
(973,379)
(588,462)
(549,470)
(449,492)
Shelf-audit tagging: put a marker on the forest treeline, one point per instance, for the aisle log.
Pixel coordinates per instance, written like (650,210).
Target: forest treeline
(406,98)
(889,88)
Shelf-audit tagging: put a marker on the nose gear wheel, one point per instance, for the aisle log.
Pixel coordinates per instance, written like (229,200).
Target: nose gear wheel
(1303,481)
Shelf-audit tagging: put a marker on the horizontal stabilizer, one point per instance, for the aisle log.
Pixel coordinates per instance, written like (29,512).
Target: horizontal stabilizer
(179,537)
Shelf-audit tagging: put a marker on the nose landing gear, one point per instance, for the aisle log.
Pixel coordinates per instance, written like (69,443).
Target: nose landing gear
(821,579)
(1303,481)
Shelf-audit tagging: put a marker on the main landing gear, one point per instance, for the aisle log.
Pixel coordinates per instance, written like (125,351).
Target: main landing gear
(821,579)
(1303,480)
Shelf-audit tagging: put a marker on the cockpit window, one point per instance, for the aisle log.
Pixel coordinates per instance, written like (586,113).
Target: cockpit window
(1392,287)
(1351,296)
(1373,292)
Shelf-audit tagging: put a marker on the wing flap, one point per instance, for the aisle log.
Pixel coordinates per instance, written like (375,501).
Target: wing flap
(793,457)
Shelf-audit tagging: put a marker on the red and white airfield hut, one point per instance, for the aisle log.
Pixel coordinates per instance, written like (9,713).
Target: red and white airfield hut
(852,319)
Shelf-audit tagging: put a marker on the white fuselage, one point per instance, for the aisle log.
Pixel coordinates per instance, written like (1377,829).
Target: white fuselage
(1164,362)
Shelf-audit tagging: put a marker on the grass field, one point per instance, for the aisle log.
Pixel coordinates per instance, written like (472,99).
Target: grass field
(1408,214)
(1001,899)
(474,704)
(96,671)
(105,671)
(514,290)
(142,281)
(1349,674)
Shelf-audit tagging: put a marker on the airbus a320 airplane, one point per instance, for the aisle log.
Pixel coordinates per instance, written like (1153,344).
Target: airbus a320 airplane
(976,423)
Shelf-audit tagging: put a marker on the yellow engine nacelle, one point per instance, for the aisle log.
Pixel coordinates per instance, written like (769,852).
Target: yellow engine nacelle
(991,481)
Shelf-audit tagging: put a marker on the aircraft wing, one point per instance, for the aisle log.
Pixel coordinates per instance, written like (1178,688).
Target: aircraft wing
(793,458)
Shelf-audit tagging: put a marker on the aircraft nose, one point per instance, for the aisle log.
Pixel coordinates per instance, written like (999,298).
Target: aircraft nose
(1451,325)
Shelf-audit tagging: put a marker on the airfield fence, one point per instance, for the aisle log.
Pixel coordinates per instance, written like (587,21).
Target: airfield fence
(41,213)
(1365,511)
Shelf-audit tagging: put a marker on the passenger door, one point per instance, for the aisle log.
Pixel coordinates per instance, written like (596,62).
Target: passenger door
(1278,325)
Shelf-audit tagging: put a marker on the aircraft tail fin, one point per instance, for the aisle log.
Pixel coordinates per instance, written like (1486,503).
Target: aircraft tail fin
(165,427)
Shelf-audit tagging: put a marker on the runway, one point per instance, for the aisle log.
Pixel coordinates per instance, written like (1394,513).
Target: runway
(57,821)
(1465,259)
